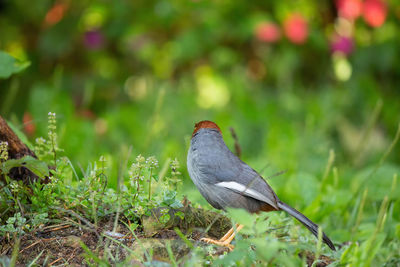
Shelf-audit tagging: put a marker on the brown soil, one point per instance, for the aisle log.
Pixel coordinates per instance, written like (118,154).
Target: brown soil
(61,245)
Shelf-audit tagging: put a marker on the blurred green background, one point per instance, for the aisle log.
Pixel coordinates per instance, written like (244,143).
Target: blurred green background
(295,79)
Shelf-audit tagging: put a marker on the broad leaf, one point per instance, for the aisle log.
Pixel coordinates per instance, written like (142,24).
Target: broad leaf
(34,165)
(9,65)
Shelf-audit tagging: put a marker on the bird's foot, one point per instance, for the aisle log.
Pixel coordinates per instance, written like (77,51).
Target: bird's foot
(226,240)
(225,243)
(227,235)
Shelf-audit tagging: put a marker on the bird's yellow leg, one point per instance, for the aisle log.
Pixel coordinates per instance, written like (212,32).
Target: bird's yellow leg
(229,239)
(228,234)
(226,240)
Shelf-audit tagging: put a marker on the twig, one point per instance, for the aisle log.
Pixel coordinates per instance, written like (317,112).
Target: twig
(76,215)
(37,242)
(51,263)
(31,245)
(276,174)
(72,255)
(238,150)
(53,226)
(58,228)
(81,226)
(21,208)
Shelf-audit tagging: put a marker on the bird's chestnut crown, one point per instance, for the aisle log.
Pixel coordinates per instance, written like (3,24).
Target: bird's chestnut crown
(205,124)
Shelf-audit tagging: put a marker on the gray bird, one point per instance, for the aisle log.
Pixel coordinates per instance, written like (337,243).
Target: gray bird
(226,181)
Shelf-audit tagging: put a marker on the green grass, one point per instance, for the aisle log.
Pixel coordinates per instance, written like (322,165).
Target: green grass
(125,112)
(355,201)
(339,156)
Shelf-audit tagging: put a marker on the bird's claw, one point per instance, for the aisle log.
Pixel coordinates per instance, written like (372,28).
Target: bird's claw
(218,243)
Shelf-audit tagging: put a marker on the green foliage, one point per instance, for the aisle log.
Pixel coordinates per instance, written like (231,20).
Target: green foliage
(9,65)
(88,194)
(36,166)
(124,85)
(344,200)
(15,224)
(3,151)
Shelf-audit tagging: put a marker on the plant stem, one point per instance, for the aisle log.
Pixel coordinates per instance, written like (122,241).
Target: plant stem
(151,174)
(137,185)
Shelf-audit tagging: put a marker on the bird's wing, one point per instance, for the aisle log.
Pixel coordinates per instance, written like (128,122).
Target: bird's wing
(251,184)
(237,176)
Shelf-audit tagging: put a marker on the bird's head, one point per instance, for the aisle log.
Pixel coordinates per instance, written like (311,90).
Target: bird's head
(205,125)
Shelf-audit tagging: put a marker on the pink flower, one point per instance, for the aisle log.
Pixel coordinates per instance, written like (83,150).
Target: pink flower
(268,32)
(342,44)
(349,9)
(94,39)
(375,12)
(296,28)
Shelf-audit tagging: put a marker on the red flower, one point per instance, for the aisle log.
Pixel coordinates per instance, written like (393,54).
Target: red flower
(349,9)
(268,32)
(375,12)
(29,126)
(296,28)
(55,13)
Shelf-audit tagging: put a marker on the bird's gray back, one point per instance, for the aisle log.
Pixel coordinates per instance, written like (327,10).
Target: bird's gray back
(216,163)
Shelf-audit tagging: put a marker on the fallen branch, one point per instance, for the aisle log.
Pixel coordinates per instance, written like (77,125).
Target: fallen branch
(16,150)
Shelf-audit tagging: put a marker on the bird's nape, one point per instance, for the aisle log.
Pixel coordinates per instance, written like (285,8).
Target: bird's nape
(205,125)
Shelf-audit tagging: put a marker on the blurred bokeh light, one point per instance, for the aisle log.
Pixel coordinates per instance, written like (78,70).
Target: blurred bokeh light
(140,66)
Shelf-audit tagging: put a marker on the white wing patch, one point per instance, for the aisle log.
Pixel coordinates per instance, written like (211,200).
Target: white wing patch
(242,189)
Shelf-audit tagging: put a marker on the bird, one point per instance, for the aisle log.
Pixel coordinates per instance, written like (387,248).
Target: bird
(225,181)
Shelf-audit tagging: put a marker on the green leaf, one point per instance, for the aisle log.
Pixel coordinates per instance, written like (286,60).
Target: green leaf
(38,167)
(9,65)
(176,204)
(241,216)
(34,165)
(9,164)
(155,177)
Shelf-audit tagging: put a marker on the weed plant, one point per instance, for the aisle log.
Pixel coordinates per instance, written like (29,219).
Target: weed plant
(267,239)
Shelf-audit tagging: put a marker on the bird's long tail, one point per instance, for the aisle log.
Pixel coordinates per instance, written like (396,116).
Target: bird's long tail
(307,223)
